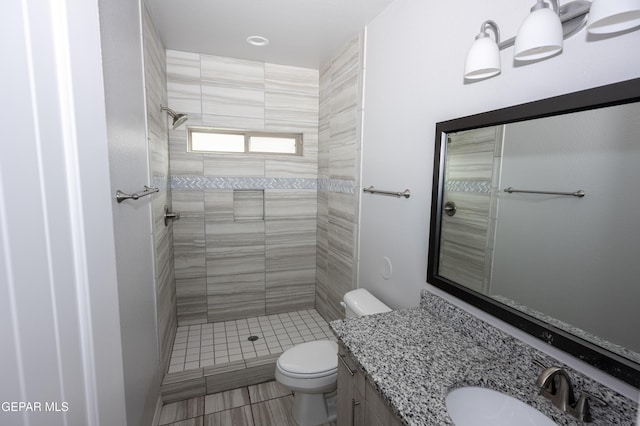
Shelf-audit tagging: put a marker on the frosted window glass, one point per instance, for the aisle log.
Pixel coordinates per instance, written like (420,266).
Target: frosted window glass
(242,141)
(278,145)
(217,142)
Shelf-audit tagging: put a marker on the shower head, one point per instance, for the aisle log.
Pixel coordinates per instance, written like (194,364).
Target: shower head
(178,119)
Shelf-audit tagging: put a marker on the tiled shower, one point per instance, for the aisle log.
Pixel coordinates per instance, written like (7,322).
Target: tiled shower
(264,244)
(472,183)
(245,244)
(157,136)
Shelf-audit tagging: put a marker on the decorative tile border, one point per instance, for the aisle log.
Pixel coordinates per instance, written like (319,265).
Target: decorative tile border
(207,182)
(468,186)
(337,185)
(221,182)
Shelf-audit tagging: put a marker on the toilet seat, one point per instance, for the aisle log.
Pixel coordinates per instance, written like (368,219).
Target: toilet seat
(310,369)
(310,360)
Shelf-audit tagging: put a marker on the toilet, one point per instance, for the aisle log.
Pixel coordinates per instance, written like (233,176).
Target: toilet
(310,369)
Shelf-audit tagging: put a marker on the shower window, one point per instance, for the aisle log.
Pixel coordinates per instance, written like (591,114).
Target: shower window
(202,139)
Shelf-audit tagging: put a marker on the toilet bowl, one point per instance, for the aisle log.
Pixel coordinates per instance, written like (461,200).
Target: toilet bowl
(310,369)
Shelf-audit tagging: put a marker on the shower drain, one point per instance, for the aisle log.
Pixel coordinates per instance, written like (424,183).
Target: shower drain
(252,338)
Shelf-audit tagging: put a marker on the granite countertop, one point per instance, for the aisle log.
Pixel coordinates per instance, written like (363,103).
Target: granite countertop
(415,356)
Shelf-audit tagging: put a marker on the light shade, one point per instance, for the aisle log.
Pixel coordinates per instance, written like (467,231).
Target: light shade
(612,16)
(540,35)
(483,59)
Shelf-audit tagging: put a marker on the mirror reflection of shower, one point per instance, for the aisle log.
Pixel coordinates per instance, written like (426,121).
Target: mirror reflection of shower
(178,118)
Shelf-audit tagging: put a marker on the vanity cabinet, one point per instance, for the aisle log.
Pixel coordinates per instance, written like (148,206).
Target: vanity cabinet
(359,404)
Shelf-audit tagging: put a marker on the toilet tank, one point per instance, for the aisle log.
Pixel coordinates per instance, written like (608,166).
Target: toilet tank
(360,302)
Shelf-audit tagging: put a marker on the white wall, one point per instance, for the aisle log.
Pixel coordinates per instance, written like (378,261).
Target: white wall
(414,60)
(59,319)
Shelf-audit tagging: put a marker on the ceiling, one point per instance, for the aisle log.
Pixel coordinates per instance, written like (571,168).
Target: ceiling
(302,33)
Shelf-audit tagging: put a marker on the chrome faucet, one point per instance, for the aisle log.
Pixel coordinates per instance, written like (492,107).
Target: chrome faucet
(555,384)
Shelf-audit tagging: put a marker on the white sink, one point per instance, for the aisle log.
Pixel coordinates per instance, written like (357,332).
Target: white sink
(472,406)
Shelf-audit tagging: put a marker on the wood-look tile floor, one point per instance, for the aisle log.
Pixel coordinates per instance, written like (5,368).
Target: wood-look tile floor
(266,404)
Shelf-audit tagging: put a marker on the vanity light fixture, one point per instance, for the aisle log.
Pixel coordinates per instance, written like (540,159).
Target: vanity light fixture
(613,16)
(483,59)
(541,34)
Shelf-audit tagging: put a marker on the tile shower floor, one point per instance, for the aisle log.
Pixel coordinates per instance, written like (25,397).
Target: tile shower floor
(206,345)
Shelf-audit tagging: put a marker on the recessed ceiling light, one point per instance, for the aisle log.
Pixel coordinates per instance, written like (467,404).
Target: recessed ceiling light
(257,41)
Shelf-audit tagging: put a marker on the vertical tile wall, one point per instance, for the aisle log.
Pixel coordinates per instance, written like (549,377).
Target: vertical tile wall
(341,83)
(472,178)
(245,244)
(158,148)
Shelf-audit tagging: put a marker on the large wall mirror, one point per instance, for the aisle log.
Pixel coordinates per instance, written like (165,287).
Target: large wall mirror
(535,218)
